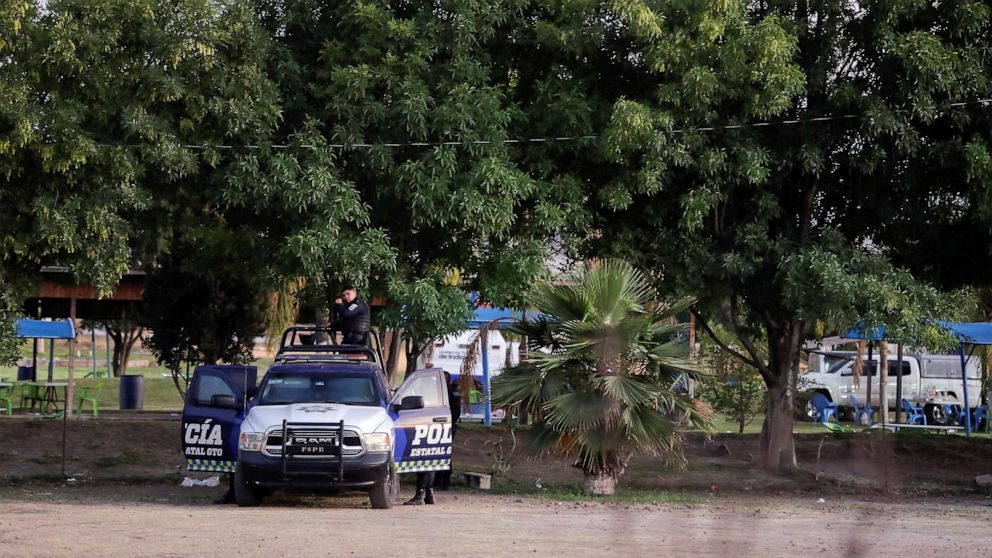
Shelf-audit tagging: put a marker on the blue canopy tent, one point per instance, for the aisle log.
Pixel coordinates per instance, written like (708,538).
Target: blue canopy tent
(874,335)
(503,317)
(966,333)
(40,329)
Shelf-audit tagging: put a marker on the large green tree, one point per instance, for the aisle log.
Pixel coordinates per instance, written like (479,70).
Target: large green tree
(102,102)
(199,311)
(378,87)
(776,227)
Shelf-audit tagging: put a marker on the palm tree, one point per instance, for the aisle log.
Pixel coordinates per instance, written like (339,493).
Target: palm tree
(603,373)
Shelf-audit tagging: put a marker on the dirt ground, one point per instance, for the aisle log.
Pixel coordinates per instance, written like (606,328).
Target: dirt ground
(121,448)
(171,521)
(882,495)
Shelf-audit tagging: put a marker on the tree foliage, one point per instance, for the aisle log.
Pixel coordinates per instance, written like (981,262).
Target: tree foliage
(198,312)
(101,103)
(733,388)
(342,126)
(394,217)
(10,310)
(602,373)
(777,226)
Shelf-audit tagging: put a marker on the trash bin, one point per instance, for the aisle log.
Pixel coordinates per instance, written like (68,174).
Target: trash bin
(132,392)
(25,374)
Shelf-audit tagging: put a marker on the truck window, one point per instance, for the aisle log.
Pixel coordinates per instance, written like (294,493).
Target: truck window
(209,386)
(948,368)
(871,368)
(301,387)
(429,387)
(837,366)
(894,365)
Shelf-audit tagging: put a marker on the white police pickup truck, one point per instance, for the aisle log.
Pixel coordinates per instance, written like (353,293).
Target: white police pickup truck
(322,419)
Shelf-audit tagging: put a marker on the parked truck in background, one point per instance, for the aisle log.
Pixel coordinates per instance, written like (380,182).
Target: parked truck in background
(925,377)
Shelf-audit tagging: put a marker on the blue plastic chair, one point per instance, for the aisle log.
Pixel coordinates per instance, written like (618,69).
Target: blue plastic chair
(861,410)
(823,408)
(980,415)
(914,414)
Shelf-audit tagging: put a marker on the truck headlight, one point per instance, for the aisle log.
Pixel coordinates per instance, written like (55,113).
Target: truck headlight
(251,441)
(378,442)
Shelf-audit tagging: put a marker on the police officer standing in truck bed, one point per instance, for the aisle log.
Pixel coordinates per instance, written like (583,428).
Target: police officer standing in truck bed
(351,317)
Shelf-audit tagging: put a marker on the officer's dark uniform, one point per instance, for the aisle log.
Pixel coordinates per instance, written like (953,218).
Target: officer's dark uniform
(353,321)
(443,478)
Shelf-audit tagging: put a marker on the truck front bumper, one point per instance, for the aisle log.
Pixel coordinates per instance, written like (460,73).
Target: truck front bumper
(313,473)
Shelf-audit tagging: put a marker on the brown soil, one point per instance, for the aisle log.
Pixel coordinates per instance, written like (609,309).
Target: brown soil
(120,449)
(170,521)
(877,491)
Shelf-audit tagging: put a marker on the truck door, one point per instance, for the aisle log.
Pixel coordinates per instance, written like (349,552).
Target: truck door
(423,435)
(216,404)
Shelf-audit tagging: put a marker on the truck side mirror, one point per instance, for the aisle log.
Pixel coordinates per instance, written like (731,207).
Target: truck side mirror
(224,402)
(411,402)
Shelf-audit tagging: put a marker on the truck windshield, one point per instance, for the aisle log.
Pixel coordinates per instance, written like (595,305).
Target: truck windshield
(283,388)
(837,366)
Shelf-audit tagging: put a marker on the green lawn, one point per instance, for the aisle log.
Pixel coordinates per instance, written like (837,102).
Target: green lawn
(724,426)
(160,394)
(160,391)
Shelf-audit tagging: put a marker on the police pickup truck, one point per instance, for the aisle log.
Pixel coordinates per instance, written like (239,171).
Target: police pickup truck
(323,419)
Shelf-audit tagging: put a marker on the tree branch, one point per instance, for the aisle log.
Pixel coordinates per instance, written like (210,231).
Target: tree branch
(745,340)
(730,350)
(806,216)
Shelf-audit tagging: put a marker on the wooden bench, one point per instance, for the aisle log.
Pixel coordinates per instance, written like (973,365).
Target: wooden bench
(479,480)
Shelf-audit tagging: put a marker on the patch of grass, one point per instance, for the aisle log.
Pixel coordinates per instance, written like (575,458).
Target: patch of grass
(160,391)
(47,458)
(117,460)
(574,493)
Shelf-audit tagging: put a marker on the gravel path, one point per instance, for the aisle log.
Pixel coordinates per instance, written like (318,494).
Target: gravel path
(43,521)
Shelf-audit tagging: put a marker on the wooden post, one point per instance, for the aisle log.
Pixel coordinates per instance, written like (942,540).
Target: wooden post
(93,349)
(868,382)
(70,390)
(692,335)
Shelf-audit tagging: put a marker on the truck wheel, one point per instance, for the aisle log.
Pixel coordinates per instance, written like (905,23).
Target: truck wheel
(383,493)
(244,494)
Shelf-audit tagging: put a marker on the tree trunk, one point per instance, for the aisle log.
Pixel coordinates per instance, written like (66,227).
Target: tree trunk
(741,410)
(600,484)
(778,449)
(393,354)
(412,355)
(124,340)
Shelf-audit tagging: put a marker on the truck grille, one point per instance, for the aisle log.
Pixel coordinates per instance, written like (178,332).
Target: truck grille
(352,440)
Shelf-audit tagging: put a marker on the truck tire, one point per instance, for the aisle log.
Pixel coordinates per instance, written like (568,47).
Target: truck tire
(244,494)
(382,496)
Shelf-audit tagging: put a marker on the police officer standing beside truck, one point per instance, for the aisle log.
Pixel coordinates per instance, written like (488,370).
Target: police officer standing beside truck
(352,317)
(443,478)
(426,482)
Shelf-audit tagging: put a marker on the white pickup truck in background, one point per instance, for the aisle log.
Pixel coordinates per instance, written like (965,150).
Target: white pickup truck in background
(924,377)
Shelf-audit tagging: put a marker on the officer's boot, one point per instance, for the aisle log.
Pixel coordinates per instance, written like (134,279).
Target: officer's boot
(226,498)
(418,499)
(429,496)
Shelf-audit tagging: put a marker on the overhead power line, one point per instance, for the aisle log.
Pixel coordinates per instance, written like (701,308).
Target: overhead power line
(768,123)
